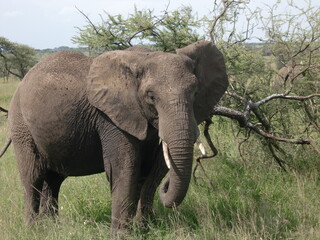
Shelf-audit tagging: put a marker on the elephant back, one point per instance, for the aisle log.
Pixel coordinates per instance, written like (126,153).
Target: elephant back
(52,90)
(60,76)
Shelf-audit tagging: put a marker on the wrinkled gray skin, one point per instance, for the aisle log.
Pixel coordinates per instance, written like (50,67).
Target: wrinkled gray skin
(73,115)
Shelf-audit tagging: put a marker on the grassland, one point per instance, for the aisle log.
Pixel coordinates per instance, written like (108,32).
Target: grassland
(251,197)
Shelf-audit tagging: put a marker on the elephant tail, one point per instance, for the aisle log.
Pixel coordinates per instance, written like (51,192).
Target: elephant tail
(5,147)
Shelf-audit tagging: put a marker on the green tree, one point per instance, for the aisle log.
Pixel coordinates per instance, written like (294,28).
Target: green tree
(165,32)
(280,108)
(15,59)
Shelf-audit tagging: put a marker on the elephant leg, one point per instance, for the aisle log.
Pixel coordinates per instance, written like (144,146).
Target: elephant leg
(155,175)
(32,188)
(50,192)
(122,164)
(30,168)
(124,201)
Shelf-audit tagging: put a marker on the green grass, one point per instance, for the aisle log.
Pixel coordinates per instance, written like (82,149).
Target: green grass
(251,197)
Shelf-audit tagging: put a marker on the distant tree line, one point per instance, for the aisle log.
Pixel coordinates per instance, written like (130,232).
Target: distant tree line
(15,59)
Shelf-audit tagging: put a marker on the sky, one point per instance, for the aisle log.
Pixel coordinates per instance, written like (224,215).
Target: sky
(45,24)
(51,23)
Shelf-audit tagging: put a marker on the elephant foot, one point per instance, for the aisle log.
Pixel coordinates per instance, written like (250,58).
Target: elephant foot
(31,219)
(143,215)
(119,234)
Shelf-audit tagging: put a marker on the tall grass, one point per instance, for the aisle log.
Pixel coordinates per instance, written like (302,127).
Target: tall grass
(251,197)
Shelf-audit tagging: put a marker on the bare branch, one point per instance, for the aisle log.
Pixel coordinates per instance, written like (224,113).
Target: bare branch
(243,118)
(234,95)
(226,6)
(230,113)
(284,96)
(89,21)
(5,147)
(279,139)
(275,156)
(3,110)
(242,142)
(311,117)
(214,150)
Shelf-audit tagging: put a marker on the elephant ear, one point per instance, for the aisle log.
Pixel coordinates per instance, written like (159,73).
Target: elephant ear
(211,73)
(112,86)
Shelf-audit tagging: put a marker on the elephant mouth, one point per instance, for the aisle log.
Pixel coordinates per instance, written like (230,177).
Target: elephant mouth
(167,156)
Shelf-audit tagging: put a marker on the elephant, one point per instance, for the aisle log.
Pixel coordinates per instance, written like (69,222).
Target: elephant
(287,74)
(74,115)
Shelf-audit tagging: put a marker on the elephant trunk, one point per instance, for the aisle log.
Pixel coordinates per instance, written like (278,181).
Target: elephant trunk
(179,137)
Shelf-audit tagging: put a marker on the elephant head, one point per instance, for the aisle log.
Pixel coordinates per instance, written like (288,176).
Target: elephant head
(173,93)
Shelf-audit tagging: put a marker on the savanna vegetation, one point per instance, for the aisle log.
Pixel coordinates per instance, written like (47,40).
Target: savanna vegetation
(265,181)
(15,59)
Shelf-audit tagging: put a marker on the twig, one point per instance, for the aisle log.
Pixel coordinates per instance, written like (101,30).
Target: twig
(279,139)
(214,150)
(89,21)
(234,95)
(284,96)
(226,5)
(311,118)
(315,146)
(278,160)
(242,142)
(3,110)
(5,147)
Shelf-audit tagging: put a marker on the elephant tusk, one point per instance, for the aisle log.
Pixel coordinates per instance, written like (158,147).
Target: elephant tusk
(166,154)
(201,147)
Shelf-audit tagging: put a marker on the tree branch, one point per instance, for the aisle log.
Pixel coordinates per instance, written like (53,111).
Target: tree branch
(275,156)
(284,96)
(5,147)
(226,6)
(3,110)
(89,21)
(214,150)
(243,118)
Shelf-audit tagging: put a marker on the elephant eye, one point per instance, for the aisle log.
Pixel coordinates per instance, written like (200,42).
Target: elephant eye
(151,96)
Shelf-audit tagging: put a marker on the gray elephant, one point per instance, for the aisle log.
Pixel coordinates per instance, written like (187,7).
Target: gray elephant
(287,74)
(74,115)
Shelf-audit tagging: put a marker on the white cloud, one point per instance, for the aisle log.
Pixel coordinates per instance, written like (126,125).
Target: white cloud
(12,13)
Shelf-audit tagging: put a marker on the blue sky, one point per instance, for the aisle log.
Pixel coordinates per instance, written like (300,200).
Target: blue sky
(51,23)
